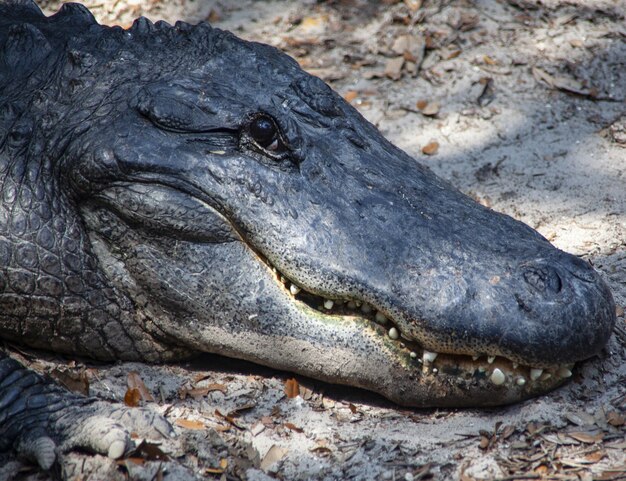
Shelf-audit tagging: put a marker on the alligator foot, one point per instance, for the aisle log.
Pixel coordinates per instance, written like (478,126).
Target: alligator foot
(39,419)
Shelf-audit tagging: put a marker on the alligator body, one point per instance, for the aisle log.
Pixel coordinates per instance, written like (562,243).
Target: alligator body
(173,190)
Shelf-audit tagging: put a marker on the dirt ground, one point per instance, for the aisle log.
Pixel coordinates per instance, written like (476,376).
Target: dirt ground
(522,105)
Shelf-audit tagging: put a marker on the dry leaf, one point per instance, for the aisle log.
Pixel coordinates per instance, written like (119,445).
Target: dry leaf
(149,451)
(132,397)
(190,424)
(431,148)
(615,419)
(293,427)
(230,419)
(275,454)
(350,95)
(449,54)
(431,109)
(134,381)
(74,381)
(292,388)
(321,450)
(508,431)
(487,94)
(594,456)
(393,68)
(587,438)
(489,61)
(563,83)
(220,470)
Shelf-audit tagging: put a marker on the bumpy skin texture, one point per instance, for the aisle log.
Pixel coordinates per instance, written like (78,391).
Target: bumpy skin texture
(142,216)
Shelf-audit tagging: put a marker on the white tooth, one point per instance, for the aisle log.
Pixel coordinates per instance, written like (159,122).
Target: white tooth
(520,381)
(546,376)
(497,377)
(380,318)
(366,308)
(328,304)
(358,303)
(283,279)
(490,359)
(564,372)
(393,333)
(435,370)
(475,358)
(482,369)
(535,373)
(351,305)
(515,365)
(428,356)
(294,289)
(413,355)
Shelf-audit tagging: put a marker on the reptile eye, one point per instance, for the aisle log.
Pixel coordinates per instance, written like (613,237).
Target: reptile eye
(264,132)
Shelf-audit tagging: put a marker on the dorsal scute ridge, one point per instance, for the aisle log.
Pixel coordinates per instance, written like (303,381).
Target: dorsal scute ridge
(74,12)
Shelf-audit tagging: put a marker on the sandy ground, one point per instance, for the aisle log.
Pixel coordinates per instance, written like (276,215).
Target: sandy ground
(521,105)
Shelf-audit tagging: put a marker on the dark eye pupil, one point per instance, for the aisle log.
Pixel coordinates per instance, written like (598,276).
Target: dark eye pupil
(263,130)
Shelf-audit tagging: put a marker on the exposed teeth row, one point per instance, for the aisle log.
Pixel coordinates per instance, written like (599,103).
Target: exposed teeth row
(497,376)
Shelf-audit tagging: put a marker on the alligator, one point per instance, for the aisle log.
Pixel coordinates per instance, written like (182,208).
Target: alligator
(171,190)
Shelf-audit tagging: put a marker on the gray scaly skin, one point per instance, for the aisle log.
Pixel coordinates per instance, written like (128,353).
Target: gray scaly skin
(173,190)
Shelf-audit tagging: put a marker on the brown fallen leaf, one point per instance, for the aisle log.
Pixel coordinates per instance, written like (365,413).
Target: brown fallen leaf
(489,61)
(74,381)
(200,392)
(594,456)
(431,109)
(350,95)
(411,47)
(430,148)
(220,470)
(587,438)
(293,427)
(321,450)
(149,452)
(230,419)
(508,431)
(566,84)
(393,68)
(487,94)
(190,424)
(275,454)
(292,388)
(615,419)
(132,397)
(134,381)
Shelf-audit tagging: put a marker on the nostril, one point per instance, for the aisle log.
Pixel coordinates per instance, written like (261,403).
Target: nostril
(543,278)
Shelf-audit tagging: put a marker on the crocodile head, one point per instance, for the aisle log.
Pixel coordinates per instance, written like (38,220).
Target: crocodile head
(246,209)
